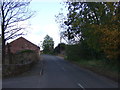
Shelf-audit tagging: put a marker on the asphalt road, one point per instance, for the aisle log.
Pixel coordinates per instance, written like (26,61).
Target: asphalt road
(58,73)
(0,66)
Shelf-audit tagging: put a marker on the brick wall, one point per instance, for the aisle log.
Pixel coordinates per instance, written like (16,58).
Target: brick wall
(22,44)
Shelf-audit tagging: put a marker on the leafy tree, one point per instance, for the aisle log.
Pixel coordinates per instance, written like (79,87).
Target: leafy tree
(48,45)
(96,23)
(110,41)
(81,16)
(12,12)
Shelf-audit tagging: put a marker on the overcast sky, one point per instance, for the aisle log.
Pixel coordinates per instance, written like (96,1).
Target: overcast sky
(43,23)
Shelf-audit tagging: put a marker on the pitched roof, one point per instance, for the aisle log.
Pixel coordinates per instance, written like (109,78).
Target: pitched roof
(23,39)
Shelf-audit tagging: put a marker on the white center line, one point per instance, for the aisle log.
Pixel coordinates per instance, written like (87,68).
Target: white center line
(80,86)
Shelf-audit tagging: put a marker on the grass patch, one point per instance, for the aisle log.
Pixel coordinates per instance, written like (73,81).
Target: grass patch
(61,55)
(99,67)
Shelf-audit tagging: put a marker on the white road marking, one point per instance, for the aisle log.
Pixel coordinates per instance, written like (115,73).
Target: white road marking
(80,86)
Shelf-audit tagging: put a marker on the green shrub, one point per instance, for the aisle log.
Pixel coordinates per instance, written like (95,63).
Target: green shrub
(26,51)
(25,56)
(77,52)
(82,51)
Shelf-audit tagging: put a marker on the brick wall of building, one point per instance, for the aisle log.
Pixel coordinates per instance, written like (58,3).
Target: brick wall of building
(22,44)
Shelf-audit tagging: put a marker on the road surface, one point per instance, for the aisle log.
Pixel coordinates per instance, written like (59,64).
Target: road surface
(58,73)
(0,76)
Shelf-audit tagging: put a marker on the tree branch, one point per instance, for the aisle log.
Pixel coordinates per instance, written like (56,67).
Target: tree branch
(12,13)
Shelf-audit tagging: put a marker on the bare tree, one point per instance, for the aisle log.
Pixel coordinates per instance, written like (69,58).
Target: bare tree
(12,13)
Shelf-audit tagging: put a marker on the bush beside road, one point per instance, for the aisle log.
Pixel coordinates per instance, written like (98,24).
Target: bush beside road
(86,58)
(99,68)
(22,62)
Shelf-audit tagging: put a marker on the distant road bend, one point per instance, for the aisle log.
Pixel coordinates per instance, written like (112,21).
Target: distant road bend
(58,73)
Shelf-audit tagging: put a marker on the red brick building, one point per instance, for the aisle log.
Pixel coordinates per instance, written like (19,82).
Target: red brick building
(22,44)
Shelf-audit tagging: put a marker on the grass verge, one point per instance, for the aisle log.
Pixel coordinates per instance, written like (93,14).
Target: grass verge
(98,66)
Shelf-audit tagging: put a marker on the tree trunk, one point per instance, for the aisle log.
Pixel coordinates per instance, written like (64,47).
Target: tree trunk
(3,46)
(3,36)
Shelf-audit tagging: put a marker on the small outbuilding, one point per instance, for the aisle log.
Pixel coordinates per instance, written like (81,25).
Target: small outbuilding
(21,44)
